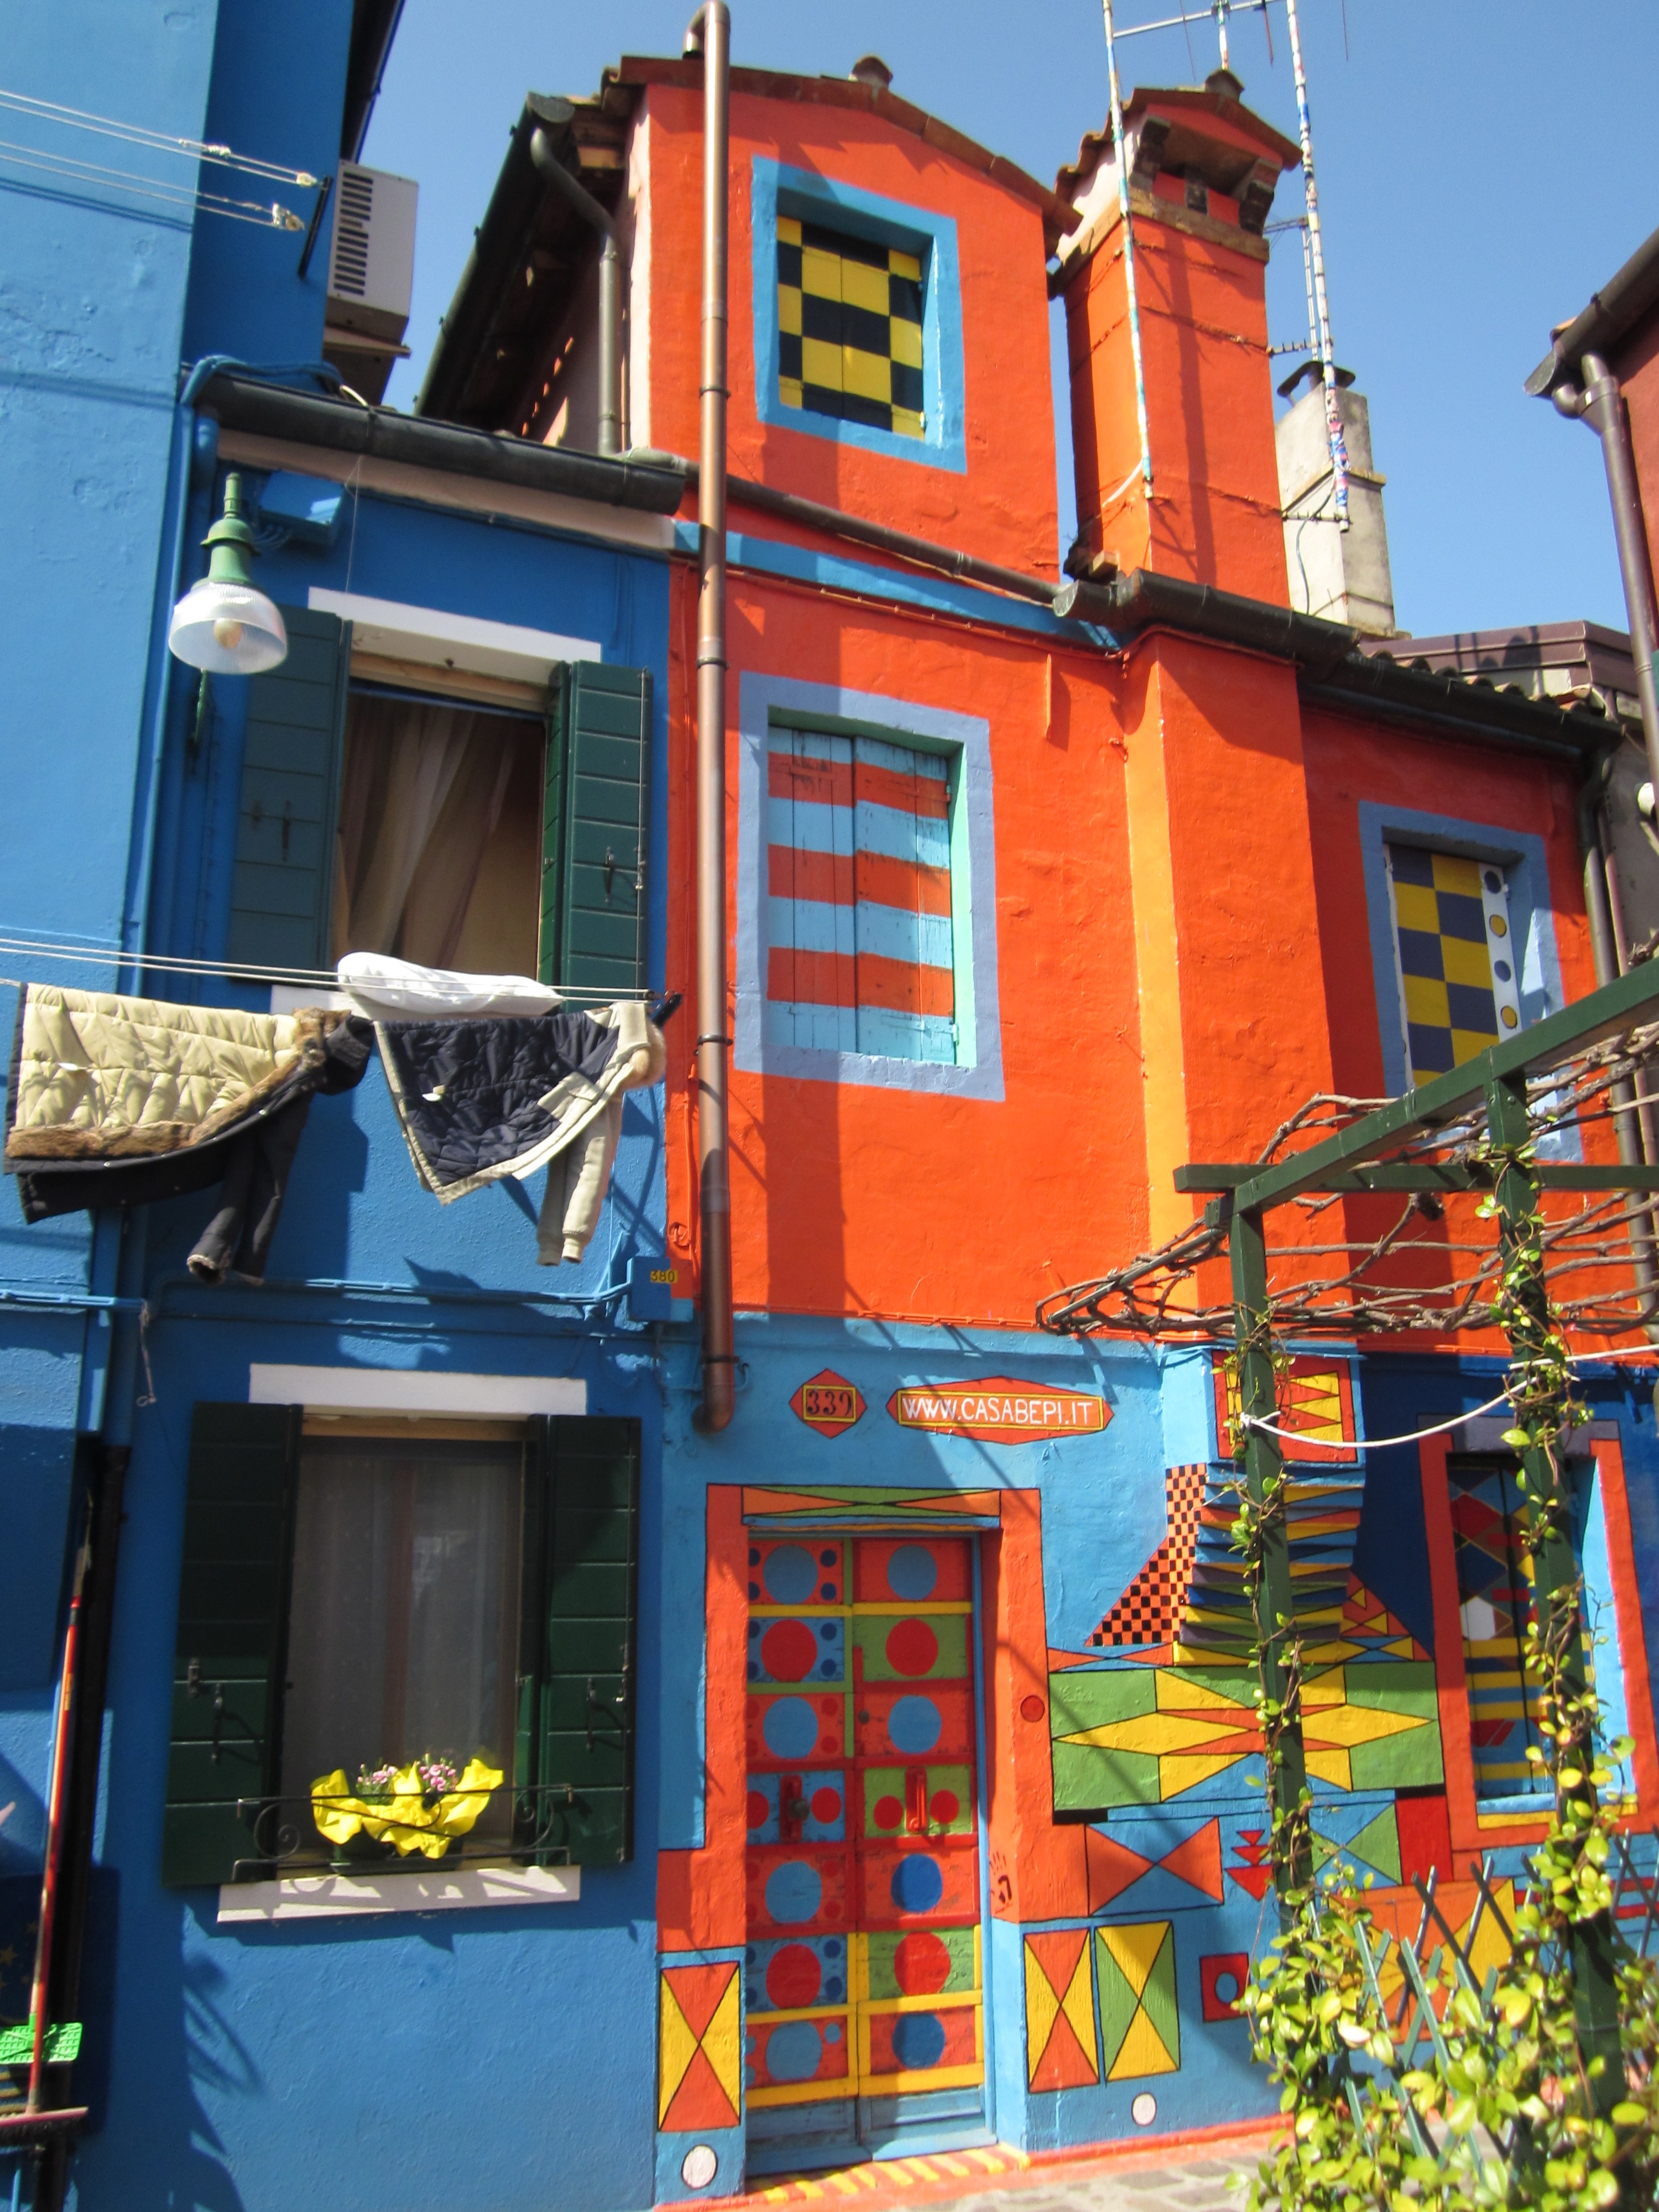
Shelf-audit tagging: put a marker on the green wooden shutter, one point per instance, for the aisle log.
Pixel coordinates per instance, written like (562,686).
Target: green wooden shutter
(606,775)
(558,708)
(587,1671)
(286,817)
(232,1634)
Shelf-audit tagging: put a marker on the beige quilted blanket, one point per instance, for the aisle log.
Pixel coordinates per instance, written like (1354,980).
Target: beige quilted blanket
(101,1077)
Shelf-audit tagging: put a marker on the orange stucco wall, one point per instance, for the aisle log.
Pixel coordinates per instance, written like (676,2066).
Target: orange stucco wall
(1003,507)
(857,1200)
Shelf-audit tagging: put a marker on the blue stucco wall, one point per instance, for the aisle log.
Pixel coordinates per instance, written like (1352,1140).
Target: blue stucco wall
(92,307)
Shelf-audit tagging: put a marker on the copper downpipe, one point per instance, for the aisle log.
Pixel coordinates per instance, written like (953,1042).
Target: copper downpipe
(714,1043)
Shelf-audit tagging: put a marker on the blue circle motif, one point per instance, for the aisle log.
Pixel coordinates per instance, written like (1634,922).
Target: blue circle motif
(793,2051)
(832,1990)
(790,1727)
(918,2038)
(832,2031)
(829,1591)
(913,1724)
(790,1574)
(912,1571)
(830,1630)
(829,1558)
(918,1883)
(829,1669)
(793,1894)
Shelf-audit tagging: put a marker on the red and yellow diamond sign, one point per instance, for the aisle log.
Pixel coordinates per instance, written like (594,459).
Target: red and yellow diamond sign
(829,1403)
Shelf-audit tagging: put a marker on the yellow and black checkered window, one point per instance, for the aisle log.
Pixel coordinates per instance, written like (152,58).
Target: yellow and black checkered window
(1451,917)
(849,328)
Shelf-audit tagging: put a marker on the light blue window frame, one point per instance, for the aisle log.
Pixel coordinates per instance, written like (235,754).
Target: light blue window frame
(976,1072)
(779,190)
(1531,922)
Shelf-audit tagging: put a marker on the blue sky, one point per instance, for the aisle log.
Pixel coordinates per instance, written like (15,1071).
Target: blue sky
(1483,166)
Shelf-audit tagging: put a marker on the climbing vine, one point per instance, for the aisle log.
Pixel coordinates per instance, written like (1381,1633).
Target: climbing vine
(1502,2097)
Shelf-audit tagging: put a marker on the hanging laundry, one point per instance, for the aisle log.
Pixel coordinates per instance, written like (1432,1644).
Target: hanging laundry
(391,990)
(479,1100)
(121,1101)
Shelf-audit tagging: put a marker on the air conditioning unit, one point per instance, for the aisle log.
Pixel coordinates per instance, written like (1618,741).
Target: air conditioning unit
(371,273)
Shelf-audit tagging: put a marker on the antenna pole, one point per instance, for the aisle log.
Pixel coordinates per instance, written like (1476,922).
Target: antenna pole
(1129,264)
(1338,444)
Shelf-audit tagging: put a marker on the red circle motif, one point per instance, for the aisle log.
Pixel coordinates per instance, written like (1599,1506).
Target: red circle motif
(888,1812)
(794,1977)
(912,1647)
(826,1806)
(921,1965)
(1031,1709)
(945,1807)
(759,1810)
(788,1651)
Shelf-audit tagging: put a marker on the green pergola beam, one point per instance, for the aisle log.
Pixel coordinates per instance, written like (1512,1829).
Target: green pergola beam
(1428,1175)
(1615,1007)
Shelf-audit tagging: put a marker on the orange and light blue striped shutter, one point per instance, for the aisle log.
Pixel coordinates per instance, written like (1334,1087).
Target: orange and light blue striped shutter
(861,955)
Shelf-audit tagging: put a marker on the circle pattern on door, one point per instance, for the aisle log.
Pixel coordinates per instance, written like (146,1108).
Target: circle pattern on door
(917,1886)
(790,1729)
(912,1572)
(794,1891)
(912,1647)
(914,1725)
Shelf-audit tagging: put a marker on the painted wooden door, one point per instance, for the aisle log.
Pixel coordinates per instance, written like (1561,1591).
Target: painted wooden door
(865,2021)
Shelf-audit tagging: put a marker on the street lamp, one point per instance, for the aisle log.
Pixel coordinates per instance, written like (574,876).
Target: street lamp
(223,625)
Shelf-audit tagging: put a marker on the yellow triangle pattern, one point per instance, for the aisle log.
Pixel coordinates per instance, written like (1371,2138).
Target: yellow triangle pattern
(679,2048)
(722,2042)
(1040,2005)
(1135,1950)
(1142,2050)
(1078,2006)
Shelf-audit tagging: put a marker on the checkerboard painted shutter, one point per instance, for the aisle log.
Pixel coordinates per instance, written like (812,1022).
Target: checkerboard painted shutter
(589,1547)
(231,1647)
(1458,962)
(285,820)
(596,834)
(859,951)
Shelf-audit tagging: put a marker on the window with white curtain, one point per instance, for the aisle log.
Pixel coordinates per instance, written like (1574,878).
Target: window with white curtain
(403,1626)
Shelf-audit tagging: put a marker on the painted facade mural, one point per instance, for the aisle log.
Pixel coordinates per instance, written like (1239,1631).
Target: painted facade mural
(881,1776)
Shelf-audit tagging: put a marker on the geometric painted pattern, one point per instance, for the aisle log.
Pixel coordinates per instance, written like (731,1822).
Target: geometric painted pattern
(1315,1400)
(1185,1869)
(864,1970)
(1150,1607)
(1147,1735)
(849,325)
(1059,2011)
(1139,2025)
(1456,960)
(699,2062)
(1494,1597)
(1321,1507)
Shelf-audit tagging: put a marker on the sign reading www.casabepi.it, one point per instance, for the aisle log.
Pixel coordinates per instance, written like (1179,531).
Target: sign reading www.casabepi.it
(998,1411)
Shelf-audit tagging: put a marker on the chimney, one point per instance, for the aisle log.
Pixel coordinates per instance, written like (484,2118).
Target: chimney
(1342,575)
(1202,171)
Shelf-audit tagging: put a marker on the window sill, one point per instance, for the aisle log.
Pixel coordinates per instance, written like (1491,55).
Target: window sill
(342,1897)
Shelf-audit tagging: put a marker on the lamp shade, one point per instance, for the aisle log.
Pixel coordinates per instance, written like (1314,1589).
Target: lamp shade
(222,624)
(229,629)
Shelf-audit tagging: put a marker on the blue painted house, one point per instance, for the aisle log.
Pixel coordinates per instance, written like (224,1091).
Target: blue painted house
(877,1777)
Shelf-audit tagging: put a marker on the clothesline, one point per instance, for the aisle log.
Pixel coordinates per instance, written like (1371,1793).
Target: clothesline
(241,971)
(1416,1436)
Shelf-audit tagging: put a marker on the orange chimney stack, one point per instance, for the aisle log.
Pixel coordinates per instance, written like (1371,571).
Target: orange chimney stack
(1202,171)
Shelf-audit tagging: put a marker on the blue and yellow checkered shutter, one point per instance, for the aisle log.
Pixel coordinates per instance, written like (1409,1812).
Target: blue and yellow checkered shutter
(849,328)
(1458,991)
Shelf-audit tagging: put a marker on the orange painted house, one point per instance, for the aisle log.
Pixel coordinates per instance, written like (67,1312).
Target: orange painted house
(955,1809)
